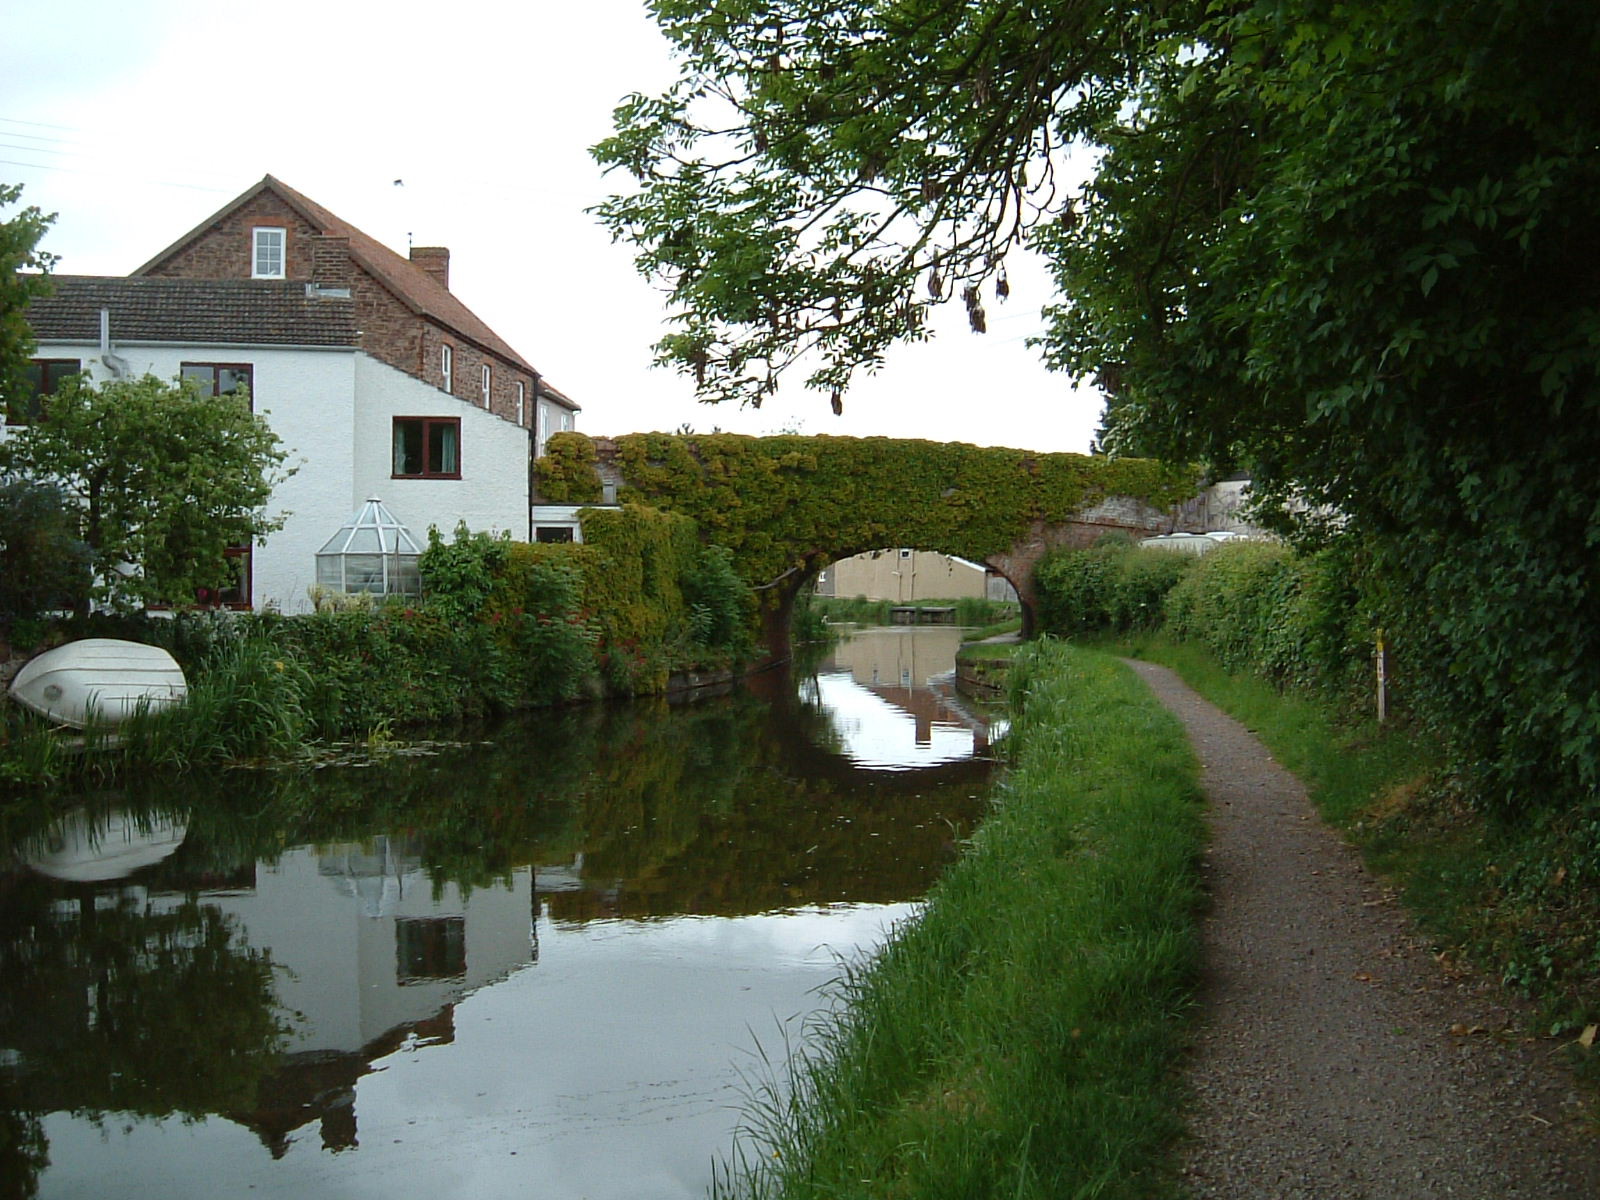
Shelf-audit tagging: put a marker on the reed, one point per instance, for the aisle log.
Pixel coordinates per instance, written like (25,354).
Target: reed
(1020,1037)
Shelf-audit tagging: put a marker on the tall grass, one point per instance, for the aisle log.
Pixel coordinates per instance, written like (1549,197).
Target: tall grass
(1020,1037)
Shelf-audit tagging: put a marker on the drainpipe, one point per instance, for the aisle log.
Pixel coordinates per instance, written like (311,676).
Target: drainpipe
(115,363)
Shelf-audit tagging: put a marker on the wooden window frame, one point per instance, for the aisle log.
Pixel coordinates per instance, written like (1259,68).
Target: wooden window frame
(248,370)
(429,426)
(49,381)
(447,368)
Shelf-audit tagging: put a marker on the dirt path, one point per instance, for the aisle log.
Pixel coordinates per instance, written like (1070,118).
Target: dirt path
(1325,1063)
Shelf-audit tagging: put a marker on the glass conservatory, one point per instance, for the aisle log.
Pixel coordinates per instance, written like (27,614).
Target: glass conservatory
(372,552)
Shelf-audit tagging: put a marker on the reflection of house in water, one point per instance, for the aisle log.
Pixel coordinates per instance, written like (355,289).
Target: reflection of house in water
(373,955)
(368,953)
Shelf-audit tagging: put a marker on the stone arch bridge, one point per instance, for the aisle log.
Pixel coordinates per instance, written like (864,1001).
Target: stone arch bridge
(790,505)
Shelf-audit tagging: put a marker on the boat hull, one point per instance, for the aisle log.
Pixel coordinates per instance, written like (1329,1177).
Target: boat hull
(99,680)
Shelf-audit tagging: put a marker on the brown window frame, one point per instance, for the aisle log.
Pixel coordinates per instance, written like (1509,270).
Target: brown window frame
(46,387)
(248,370)
(219,597)
(429,425)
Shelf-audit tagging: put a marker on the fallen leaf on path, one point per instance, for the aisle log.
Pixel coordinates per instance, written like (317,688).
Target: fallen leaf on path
(1586,1038)
(1459,1030)
(1362,977)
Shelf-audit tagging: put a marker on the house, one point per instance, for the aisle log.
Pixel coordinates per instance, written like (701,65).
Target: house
(904,575)
(378,379)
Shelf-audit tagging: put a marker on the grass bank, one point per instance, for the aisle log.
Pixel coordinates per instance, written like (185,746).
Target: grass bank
(1020,1038)
(1509,895)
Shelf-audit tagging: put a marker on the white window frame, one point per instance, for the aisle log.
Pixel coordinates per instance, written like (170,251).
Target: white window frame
(487,381)
(447,367)
(522,402)
(268,242)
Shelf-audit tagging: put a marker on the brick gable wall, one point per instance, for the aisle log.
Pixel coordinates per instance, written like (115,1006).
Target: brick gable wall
(389,330)
(223,250)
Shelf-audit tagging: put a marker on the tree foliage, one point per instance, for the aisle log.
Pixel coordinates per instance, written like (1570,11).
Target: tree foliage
(43,564)
(164,479)
(23,275)
(1348,246)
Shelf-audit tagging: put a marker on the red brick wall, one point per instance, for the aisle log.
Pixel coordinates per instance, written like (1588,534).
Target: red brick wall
(390,331)
(467,373)
(223,250)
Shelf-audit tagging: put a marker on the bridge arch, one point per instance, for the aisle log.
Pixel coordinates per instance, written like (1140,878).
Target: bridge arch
(789,505)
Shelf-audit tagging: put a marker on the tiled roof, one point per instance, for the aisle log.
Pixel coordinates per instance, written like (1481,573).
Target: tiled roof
(200,311)
(410,284)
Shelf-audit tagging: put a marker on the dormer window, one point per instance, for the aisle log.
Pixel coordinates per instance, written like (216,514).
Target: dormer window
(266,252)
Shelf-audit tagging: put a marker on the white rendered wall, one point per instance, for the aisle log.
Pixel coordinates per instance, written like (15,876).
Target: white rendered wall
(334,410)
(307,398)
(492,493)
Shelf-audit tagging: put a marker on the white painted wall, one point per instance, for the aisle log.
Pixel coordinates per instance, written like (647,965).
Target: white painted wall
(492,493)
(334,410)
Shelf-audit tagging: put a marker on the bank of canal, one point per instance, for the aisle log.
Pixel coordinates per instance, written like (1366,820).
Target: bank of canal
(540,963)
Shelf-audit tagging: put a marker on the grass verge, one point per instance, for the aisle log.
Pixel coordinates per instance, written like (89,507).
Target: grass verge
(1510,897)
(1020,1037)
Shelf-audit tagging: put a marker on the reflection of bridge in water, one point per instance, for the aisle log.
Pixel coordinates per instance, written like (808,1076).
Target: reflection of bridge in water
(911,670)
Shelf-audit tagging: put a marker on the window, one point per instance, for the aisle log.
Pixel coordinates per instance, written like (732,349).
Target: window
(45,377)
(266,252)
(522,402)
(427,448)
(553,534)
(219,379)
(429,948)
(236,592)
(486,379)
(447,359)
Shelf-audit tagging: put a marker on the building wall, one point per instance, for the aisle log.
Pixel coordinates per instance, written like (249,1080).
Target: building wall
(307,397)
(552,418)
(390,329)
(334,411)
(223,252)
(902,576)
(492,493)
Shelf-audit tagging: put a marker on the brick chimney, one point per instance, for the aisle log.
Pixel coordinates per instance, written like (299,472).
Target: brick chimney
(435,260)
(330,261)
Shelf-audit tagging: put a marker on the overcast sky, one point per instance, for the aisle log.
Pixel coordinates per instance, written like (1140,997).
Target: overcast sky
(134,122)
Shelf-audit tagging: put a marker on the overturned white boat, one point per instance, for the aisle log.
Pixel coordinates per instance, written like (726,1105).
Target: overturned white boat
(103,680)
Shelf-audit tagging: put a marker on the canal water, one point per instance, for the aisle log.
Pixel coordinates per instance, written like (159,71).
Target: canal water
(552,961)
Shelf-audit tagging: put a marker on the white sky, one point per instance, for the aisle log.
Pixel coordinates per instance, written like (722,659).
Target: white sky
(135,121)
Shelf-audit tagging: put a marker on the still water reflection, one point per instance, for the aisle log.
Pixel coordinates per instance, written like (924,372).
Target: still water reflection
(541,963)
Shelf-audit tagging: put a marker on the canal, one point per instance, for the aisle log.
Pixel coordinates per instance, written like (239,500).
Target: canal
(553,960)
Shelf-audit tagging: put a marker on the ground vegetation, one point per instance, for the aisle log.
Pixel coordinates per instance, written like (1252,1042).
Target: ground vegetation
(1019,1038)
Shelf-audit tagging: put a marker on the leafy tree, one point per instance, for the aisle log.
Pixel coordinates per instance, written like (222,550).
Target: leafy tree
(23,275)
(163,477)
(1350,246)
(43,565)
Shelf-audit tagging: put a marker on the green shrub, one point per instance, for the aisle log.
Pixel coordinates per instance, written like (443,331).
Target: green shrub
(1297,620)
(44,564)
(1115,585)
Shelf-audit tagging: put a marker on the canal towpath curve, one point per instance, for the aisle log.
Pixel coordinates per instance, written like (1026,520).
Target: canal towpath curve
(1334,1055)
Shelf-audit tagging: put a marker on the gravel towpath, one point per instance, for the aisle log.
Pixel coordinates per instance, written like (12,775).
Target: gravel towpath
(1335,1056)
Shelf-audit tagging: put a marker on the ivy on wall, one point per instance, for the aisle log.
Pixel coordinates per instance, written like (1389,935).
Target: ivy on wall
(638,570)
(792,502)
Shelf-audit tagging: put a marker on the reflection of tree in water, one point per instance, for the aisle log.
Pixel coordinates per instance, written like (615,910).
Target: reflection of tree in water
(111,1004)
(115,1002)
